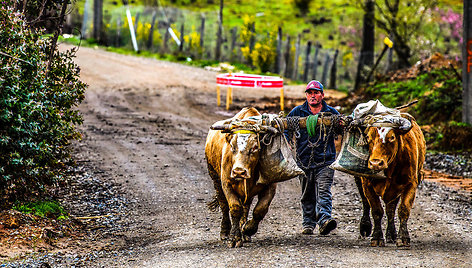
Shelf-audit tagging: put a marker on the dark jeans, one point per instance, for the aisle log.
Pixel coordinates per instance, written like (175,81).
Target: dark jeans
(316,195)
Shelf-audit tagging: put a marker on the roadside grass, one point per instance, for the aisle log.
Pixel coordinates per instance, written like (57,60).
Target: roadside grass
(44,208)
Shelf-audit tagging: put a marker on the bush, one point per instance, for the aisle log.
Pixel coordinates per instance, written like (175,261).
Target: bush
(37,114)
(50,209)
(439,95)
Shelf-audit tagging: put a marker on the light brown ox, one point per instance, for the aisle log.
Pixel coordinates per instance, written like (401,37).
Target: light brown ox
(233,165)
(400,155)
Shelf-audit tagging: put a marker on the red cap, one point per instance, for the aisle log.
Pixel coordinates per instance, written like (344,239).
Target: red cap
(314,84)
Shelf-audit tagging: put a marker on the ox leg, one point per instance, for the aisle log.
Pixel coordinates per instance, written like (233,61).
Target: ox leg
(365,226)
(225,226)
(236,212)
(391,234)
(377,214)
(403,214)
(244,218)
(260,210)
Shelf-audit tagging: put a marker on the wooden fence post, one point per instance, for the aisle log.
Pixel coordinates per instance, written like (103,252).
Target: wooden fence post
(297,54)
(166,38)
(332,78)
(278,56)
(307,62)
(151,31)
(202,33)
(288,63)
(136,20)
(118,32)
(315,60)
(325,69)
(234,32)
(182,28)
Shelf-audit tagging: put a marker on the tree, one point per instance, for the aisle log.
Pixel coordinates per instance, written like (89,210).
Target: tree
(97,19)
(402,19)
(366,57)
(467,63)
(303,6)
(219,37)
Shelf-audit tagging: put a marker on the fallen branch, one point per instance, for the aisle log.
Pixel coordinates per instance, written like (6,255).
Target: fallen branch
(92,217)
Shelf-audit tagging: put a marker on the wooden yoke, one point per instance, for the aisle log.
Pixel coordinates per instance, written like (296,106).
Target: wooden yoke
(326,120)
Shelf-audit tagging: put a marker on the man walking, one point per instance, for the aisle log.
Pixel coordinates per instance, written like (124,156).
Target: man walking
(314,154)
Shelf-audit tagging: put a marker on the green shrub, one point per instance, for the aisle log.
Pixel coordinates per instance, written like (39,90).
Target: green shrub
(50,209)
(439,95)
(37,114)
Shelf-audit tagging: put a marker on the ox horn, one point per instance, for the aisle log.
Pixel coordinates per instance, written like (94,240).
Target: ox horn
(404,125)
(222,125)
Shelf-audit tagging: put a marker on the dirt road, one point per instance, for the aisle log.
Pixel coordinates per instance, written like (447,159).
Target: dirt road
(145,123)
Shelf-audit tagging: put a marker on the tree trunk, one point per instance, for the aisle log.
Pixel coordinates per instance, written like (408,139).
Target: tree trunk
(467,64)
(278,56)
(297,54)
(315,61)
(97,19)
(334,70)
(288,62)
(307,61)
(324,76)
(366,57)
(234,32)
(202,35)
(219,36)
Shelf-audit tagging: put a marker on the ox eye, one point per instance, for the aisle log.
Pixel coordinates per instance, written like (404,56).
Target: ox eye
(391,138)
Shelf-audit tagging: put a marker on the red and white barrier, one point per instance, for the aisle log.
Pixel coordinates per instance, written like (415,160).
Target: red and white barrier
(247,81)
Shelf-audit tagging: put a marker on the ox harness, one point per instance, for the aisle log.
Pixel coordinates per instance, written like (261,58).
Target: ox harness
(324,132)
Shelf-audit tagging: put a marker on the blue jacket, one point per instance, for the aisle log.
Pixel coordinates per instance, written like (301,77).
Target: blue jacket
(320,157)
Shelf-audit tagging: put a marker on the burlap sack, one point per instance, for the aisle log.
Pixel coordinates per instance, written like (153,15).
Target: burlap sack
(354,156)
(277,161)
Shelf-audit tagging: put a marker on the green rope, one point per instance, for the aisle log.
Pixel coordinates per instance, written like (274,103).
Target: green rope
(311,122)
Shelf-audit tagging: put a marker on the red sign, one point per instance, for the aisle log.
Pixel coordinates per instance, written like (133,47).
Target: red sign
(249,80)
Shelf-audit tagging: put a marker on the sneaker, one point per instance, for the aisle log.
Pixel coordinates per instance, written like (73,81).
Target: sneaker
(328,226)
(307,230)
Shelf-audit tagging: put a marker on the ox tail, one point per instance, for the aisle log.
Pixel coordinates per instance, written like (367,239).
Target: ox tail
(213,204)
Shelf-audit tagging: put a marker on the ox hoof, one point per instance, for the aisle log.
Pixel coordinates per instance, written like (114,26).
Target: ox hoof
(250,228)
(235,244)
(224,237)
(377,243)
(246,238)
(403,243)
(365,228)
(390,238)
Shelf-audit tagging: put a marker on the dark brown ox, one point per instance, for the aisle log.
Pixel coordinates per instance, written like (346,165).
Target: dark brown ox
(233,165)
(400,153)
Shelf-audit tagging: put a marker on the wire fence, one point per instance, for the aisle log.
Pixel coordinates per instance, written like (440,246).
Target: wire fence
(193,35)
